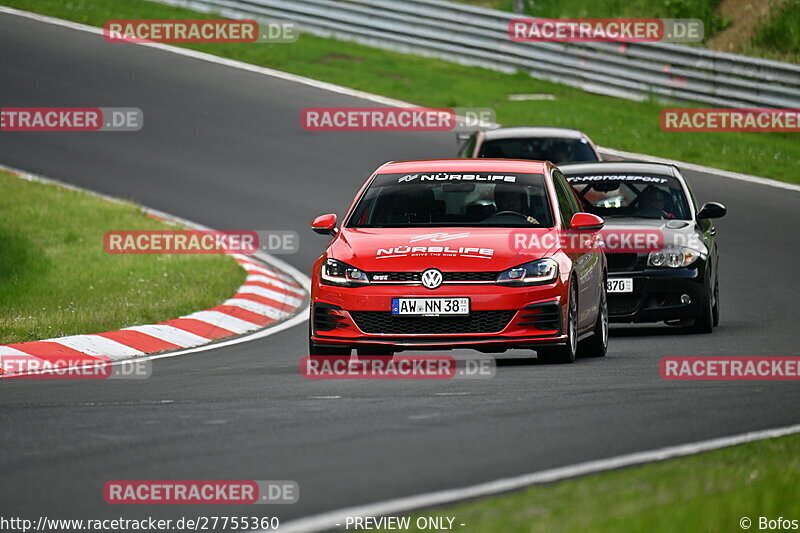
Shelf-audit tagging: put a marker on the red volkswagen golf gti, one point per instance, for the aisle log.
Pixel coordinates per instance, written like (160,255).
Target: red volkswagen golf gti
(461,253)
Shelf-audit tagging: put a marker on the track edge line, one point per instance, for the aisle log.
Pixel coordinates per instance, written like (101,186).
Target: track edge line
(327,521)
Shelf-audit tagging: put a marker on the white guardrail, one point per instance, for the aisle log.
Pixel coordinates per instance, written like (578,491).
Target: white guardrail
(478,36)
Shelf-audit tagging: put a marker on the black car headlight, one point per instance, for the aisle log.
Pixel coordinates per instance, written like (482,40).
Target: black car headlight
(674,257)
(335,272)
(533,273)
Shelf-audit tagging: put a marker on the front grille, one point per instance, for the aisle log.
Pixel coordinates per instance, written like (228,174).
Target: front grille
(623,304)
(619,262)
(476,322)
(410,277)
(470,276)
(395,276)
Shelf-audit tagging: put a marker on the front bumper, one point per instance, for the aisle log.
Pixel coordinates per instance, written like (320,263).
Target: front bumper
(657,295)
(501,317)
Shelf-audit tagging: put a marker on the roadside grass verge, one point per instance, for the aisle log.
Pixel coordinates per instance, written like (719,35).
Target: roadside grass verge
(56,278)
(613,122)
(709,492)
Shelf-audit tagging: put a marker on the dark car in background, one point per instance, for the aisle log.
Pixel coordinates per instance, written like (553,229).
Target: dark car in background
(676,283)
(557,145)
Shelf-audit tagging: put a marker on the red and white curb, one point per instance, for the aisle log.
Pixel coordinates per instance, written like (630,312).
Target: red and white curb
(271,299)
(266,297)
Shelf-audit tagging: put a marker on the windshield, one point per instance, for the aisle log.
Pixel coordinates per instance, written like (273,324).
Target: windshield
(454,199)
(555,150)
(628,195)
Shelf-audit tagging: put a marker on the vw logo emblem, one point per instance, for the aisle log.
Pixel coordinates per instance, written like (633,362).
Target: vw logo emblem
(431,278)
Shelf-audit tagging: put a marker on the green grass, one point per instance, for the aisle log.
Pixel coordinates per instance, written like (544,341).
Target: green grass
(609,121)
(709,492)
(56,278)
(780,35)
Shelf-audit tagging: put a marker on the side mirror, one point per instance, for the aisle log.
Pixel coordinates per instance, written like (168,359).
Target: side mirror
(586,221)
(325,224)
(712,210)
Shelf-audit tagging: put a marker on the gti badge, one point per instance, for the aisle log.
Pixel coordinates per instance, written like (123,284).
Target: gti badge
(431,278)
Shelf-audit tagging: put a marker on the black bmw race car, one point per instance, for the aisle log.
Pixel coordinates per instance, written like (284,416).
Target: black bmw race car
(675,281)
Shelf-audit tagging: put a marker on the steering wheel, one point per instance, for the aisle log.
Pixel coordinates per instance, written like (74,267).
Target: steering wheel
(515,213)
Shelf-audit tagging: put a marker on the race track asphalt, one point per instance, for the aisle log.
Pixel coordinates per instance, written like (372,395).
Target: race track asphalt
(223,147)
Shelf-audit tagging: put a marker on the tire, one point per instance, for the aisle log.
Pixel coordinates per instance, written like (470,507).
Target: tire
(597,344)
(704,323)
(565,354)
(715,309)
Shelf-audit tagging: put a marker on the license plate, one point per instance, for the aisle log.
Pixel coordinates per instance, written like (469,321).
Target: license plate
(430,306)
(620,285)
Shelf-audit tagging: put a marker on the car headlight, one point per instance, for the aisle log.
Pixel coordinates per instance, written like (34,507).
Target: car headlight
(335,272)
(674,257)
(533,273)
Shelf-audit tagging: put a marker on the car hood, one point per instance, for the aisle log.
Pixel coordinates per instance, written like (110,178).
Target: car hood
(448,249)
(648,223)
(678,232)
